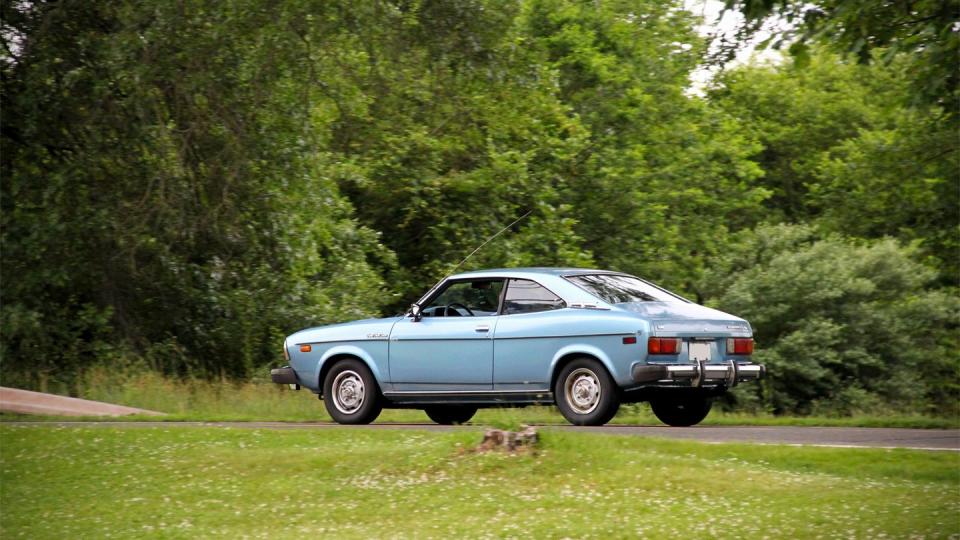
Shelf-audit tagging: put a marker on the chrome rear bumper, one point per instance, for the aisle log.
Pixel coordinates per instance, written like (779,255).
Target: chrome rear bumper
(699,374)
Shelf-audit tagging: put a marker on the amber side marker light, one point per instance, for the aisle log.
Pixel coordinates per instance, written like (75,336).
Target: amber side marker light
(663,345)
(738,345)
(305,348)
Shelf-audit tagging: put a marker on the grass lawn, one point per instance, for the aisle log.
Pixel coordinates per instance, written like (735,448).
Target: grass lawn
(58,482)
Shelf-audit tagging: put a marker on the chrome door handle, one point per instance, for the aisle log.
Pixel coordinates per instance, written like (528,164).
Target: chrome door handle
(482,328)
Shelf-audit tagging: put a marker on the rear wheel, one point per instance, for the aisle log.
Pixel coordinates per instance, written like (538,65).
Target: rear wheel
(351,394)
(585,393)
(447,415)
(683,410)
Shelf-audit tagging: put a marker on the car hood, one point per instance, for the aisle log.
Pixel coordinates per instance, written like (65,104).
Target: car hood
(669,318)
(364,329)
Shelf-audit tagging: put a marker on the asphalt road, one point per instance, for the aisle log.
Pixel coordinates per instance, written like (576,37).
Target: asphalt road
(926,439)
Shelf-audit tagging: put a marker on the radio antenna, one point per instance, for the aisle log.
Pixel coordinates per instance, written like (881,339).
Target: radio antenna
(455,268)
(472,253)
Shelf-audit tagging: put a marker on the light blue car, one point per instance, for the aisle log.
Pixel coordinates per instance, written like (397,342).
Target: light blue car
(587,340)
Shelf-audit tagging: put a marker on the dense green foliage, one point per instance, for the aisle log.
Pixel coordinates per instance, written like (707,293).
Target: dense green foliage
(185,183)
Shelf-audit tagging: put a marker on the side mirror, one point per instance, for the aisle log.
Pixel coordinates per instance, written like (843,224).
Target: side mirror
(415,311)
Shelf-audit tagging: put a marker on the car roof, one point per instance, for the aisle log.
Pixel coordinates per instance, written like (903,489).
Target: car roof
(530,271)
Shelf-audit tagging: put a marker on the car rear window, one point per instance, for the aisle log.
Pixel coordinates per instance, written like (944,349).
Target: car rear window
(618,288)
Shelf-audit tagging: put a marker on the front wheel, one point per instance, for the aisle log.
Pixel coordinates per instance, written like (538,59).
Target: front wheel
(681,411)
(585,393)
(351,394)
(447,415)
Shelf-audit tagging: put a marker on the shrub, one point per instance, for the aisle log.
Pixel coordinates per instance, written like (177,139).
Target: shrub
(843,326)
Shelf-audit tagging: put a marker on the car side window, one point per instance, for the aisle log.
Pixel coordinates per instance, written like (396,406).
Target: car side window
(525,296)
(466,299)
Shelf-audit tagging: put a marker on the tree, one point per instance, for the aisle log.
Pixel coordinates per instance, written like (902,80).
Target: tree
(842,148)
(662,177)
(922,31)
(472,114)
(151,156)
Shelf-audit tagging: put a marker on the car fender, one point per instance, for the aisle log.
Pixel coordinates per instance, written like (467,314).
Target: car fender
(584,349)
(349,350)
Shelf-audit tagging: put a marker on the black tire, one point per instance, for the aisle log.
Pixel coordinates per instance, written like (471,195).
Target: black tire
(345,406)
(447,415)
(585,393)
(682,410)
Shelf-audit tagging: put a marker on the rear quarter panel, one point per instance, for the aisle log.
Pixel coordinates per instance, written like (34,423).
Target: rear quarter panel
(528,347)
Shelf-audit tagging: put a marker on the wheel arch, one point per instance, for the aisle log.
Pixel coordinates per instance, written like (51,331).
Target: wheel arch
(570,353)
(345,352)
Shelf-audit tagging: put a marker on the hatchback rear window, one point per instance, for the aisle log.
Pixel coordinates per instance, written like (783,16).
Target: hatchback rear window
(619,288)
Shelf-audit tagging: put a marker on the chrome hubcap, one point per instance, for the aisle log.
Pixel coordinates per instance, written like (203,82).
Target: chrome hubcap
(348,392)
(582,391)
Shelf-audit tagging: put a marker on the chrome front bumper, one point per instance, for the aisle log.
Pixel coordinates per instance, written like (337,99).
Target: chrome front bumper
(698,374)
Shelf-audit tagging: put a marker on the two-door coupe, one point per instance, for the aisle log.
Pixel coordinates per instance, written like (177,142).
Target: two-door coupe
(587,340)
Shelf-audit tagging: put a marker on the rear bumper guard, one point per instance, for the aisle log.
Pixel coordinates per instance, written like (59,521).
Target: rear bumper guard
(698,374)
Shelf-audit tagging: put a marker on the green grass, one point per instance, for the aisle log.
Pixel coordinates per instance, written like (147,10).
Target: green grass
(198,482)
(226,401)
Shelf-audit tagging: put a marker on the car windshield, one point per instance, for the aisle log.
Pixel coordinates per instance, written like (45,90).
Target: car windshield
(618,288)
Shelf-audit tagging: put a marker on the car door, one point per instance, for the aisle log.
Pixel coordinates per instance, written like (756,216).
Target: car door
(450,348)
(530,331)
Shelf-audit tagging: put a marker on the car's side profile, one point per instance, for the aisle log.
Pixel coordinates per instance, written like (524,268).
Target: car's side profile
(586,340)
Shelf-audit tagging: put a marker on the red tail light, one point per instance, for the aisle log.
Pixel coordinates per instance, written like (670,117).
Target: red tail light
(661,345)
(740,346)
